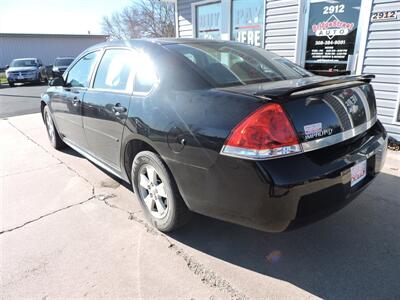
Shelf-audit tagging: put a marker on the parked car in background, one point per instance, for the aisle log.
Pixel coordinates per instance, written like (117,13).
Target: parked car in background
(220,128)
(61,64)
(47,73)
(24,70)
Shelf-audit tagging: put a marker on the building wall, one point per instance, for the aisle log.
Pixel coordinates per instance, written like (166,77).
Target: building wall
(184,9)
(382,58)
(45,47)
(281,27)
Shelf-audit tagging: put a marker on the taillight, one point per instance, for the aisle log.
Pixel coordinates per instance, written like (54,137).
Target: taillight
(266,133)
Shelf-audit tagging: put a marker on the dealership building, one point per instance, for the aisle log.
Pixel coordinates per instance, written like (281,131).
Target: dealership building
(44,46)
(327,37)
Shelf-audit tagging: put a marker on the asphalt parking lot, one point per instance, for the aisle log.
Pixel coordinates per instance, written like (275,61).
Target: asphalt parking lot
(67,229)
(20,100)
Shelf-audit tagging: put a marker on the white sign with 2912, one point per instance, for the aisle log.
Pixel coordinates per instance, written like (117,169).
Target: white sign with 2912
(386,16)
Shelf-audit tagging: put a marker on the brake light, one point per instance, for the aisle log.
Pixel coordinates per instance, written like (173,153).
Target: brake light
(266,133)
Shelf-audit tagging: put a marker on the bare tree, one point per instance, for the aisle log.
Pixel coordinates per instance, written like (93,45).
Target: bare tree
(144,18)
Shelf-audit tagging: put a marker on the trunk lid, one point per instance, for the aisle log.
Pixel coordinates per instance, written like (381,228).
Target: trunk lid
(323,111)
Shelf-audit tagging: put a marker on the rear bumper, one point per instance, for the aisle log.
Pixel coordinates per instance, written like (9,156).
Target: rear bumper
(282,194)
(316,204)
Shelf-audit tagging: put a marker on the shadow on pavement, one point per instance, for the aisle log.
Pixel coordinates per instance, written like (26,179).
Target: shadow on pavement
(354,254)
(72,152)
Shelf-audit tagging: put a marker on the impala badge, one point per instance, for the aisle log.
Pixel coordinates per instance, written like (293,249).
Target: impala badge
(312,128)
(315,130)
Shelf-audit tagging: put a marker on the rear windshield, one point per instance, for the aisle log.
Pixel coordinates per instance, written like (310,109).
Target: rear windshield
(63,61)
(238,64)
(24,63)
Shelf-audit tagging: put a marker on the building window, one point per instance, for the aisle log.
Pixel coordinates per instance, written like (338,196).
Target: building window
(248,22)
(208,21)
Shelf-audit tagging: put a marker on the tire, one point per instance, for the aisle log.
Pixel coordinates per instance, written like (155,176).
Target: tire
(54,137)
(11,84)
(161,192)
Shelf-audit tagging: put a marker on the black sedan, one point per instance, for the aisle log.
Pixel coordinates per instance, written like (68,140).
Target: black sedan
(219,128)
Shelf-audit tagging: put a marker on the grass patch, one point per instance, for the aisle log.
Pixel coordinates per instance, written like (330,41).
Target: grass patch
(3,78)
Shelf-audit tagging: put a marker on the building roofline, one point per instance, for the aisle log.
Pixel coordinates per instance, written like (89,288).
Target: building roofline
(25,58)
(51,35)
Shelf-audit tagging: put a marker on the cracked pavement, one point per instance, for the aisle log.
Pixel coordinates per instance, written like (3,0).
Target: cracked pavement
(68,229)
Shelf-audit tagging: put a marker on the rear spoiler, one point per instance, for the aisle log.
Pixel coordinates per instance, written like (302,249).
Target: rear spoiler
(317,87)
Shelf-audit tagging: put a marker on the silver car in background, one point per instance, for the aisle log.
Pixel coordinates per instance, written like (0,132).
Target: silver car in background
(24,70)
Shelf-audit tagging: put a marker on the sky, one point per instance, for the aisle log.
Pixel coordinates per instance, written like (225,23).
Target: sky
(55,16)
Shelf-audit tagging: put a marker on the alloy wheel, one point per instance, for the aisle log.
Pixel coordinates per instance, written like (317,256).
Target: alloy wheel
(152,191)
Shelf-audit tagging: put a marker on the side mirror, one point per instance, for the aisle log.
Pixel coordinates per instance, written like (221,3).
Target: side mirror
(7,66)
(57,81)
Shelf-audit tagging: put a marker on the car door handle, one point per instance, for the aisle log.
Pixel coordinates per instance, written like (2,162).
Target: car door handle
(76,100)
(117,108)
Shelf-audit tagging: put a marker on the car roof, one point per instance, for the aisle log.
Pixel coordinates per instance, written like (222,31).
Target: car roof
(167,41)
(152,41)
(65,57)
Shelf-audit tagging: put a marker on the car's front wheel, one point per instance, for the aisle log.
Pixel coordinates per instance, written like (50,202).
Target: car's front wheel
(54,137)
(157,192)
(11,84)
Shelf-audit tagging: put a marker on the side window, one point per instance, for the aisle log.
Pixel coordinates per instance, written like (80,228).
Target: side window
(115,70)
(79,75)
(146,76)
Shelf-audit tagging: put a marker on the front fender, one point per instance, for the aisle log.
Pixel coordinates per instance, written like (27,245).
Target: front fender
(44,100)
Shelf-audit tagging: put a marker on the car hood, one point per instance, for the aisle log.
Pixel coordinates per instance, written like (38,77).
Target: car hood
(18,69)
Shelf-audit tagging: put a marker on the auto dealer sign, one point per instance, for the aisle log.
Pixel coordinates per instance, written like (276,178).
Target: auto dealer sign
(332,27)
(332,32)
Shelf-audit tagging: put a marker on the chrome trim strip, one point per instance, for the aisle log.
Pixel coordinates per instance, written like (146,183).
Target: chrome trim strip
(115,139)
(69,120)
(92,158)
(251,154)
(122,92)
(338,137)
